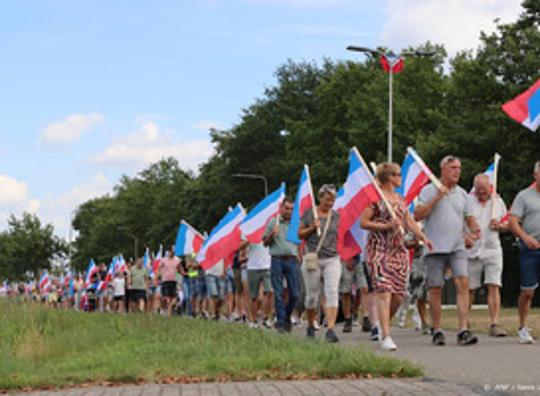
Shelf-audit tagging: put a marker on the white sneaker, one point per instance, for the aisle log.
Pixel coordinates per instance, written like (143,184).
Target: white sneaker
(417,319)
(525,337)
(253,325)
(316,325)
(388,344)
(267,323)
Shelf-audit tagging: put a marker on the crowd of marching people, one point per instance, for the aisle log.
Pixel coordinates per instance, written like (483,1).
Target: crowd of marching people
(273,281)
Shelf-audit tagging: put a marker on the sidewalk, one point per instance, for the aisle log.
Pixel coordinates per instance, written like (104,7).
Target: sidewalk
(278,388)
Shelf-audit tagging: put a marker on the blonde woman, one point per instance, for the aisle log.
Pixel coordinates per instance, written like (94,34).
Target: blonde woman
(328,270)
(387,255)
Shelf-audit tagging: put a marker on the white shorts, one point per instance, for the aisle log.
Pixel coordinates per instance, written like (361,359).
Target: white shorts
(491,267)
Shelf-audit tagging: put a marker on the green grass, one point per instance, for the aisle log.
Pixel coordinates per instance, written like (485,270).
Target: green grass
(43,347)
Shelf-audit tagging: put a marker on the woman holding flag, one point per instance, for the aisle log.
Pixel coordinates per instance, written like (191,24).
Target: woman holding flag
(387,256)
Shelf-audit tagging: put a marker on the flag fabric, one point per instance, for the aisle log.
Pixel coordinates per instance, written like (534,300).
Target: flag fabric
(90,270)
(390,62)
(224,239)
(413,177)
(525,108)
(304,200)
(157,260)
(355,238)
(188,240)
(253,226)
(44,282)
(359,192)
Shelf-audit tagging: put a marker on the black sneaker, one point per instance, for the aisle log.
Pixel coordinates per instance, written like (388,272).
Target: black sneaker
(465,337)
(310,332)
(348,326)
(438,338)
(331,336)
(366,326)
(288,326)
(374,336)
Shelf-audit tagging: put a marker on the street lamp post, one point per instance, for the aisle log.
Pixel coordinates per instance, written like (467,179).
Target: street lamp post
(253,176)
(135,240)
(392,60)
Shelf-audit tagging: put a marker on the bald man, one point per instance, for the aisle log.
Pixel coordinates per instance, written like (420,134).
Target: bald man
(485,256)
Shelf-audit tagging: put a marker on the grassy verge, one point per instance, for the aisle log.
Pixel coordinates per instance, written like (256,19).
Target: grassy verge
(480,320)
(42,347)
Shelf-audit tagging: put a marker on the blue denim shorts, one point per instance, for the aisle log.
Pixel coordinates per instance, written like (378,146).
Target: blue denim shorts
(529,266)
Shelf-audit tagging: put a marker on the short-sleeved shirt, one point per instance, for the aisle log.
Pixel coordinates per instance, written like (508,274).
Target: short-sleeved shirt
(489,244)
(138,278)
(169,267)
(258,257)
(280,246)
(446,223)
(119,286)
(526,206)
(329,245)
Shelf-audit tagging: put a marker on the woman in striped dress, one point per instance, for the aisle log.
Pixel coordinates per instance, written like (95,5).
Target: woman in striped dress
(387,256)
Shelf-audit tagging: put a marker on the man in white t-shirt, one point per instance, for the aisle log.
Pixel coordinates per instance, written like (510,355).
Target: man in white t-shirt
(485,256)
(258,271)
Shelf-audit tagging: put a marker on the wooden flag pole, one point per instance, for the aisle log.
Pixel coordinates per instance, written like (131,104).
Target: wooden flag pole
(494,192)
(385,201)
(315,215)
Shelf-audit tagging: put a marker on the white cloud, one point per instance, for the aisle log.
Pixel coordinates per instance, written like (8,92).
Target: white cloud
(149,144)
(456,24)
(58,210)
(12,191)
(71,128)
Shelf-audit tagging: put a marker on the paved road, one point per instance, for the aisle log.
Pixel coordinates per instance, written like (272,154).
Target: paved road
(492,364)
(278,388)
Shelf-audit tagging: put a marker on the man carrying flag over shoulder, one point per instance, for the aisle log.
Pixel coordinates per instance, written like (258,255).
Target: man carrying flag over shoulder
(284,264)
(444,207)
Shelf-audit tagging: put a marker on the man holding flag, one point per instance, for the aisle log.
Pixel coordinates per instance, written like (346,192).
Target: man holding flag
(446,212)
(525,224)
(284,264)
(485,257)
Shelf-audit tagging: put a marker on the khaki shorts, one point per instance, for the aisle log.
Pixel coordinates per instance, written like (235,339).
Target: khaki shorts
(437,263)
(357,277)
(255,278)
(491,267)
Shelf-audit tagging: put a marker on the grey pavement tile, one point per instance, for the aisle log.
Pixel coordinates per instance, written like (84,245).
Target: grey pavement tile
(248,389)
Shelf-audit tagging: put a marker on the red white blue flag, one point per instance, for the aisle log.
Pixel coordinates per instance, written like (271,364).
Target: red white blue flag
(359,192)
(188,240)
(304,201)
(254,224)
(224,239)
(413,177)
(525,108)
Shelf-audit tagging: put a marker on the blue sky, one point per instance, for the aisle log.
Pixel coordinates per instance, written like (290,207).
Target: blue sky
(91,90)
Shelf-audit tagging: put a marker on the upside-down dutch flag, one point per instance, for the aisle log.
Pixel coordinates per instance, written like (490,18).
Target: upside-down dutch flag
(224,239)
(304,200)
(525,108)
(90,270)
(413,177)
(188,240)
(44,282)
(254,224)
(359,191)
(355,238)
